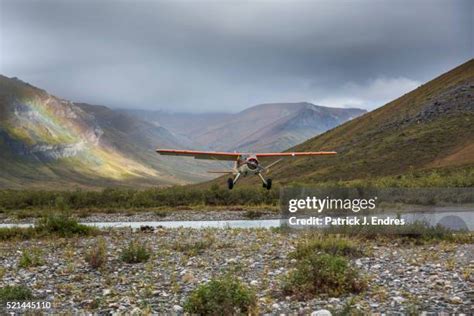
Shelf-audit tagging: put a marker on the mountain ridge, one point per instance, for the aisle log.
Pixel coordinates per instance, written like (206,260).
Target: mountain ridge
(263,127)
(410,133)
(423,138)
(48,141)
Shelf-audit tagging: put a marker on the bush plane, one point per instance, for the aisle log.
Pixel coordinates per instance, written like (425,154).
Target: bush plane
(245,163)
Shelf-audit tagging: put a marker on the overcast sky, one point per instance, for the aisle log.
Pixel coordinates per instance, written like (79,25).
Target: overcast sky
(228,55)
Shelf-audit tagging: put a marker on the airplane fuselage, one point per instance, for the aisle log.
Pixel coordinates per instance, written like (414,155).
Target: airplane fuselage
(246,165)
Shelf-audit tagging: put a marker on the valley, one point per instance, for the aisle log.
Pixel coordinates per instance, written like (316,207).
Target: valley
(271,127)
(48,142)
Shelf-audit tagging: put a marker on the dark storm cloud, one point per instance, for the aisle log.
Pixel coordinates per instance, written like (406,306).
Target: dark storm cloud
(228,55)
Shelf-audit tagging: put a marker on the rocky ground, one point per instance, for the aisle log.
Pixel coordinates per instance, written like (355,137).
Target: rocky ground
(434,278)
(158,215)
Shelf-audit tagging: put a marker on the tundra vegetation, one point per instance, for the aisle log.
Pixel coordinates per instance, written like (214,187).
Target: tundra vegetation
(15,293)
(54,225)
(31,257)
(116,198)
(29,203)
(135,252)
(222,296)
(96,256)
(418,232)
(322,267)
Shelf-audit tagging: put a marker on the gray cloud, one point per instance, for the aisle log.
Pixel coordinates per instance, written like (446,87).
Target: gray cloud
(228,55)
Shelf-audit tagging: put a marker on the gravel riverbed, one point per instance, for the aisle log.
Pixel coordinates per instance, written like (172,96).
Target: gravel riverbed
(147,216)
(434,278)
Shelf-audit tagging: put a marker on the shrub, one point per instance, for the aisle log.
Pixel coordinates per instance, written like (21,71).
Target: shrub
(192,248)
(97,254)
(112,198)
(418,232)
(63,226)
(16,233)
(53,225)
(15,293)
(328,244)
(222,296)
(135,252)
(322,273)
(61,204)
(31,258)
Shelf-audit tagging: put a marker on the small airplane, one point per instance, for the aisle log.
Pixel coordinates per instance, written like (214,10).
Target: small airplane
(245,163)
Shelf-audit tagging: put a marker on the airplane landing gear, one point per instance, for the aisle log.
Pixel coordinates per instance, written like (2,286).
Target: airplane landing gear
(266,183)
(269,184)
(230,183)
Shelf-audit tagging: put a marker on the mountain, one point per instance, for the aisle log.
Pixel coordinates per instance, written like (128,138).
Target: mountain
(46,141)
(430,129)
(265,127)
(183,124)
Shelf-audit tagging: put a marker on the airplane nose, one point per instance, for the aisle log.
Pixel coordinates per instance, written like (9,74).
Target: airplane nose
(252,164)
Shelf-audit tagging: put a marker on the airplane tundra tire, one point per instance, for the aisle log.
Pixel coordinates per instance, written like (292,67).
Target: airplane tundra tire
(269,184)
(230,183)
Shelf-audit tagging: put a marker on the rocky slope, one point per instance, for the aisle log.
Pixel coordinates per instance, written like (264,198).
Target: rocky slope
(427,130)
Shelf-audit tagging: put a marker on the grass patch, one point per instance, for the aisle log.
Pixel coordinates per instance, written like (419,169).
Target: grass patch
(323,274)
(53,225)
(62,226)
(193,248)
(135,252)
(31,258)
(15,293)
(333,245)
(418,232)
(119,198)
(222,296)
(96,256)
(17,233)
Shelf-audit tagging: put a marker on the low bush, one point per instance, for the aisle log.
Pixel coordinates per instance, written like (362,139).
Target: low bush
(62,226)
(15,293)
(135,252)
(52,225)
(222,296)
(192,248)
(330,244)
(322,274)
(31,258)
(113,198)
(17,233)
(96,256)
(418,232)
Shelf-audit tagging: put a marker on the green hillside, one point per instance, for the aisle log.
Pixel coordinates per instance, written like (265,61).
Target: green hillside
(48,142)
(423,138)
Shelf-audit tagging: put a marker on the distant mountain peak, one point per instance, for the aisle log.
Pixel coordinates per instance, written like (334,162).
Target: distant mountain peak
(268,126)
